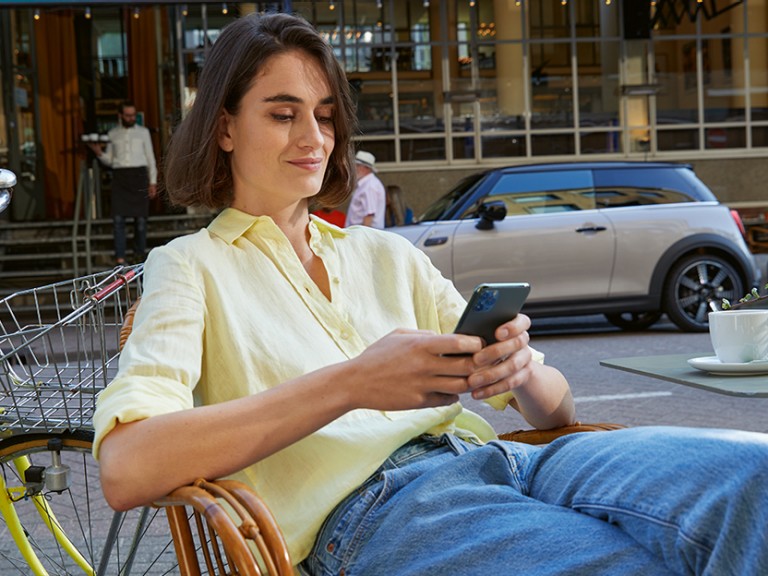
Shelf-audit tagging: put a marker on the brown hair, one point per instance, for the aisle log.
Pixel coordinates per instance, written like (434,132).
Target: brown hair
(196,169)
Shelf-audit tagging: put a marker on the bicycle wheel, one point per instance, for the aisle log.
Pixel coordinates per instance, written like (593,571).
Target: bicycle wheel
(102,542)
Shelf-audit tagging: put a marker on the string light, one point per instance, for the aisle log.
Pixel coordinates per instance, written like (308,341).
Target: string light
(331,6)
(136,13)
(37,14)
(87,12)
(426,3)
(184,10)
(472,3)
(517,3)
(224,9)
(379,4)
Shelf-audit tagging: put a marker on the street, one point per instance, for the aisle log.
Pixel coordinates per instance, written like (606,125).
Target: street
(576,345)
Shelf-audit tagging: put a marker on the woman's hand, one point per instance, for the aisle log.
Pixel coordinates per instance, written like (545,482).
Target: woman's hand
(409,369)
(541,393)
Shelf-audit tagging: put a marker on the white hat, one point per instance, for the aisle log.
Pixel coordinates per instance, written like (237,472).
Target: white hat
(366,159)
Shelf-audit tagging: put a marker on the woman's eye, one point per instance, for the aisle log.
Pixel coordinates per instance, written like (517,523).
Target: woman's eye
(325,119)
(282,117)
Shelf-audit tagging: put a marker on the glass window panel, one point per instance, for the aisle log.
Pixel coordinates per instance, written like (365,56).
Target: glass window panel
(552,87)
(759,136)
(503,96)
(725,138)
(758,76)
(723,98)
(677,139)
(552,144)
(549,20)
(384,150)
(464,147)
(419,106)
(542,181)
(600,142)
(599,87)
(503,145)
(422,149)
(374,105)
(675,73)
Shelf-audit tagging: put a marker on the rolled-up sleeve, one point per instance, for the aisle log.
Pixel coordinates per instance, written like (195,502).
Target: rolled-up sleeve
(159,366)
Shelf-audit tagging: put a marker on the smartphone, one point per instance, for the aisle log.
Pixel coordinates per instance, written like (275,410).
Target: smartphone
(490,306)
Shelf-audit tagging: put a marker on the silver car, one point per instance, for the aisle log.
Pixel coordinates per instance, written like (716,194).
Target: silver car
(631,240)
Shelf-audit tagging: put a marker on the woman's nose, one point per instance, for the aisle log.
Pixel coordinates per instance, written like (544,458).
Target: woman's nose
(310,134)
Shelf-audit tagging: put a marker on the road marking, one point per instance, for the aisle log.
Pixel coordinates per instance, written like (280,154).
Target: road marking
(604,397)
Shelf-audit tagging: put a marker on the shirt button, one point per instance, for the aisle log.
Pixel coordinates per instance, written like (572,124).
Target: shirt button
(344,335)
(336,280)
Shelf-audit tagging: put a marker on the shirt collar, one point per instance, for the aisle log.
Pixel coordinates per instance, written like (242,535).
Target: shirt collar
(231,224)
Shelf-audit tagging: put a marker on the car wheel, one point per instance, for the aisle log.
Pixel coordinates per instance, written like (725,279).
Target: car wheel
(693,283)
(633,320)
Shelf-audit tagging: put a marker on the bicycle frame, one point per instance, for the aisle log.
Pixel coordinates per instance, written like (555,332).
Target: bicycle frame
(16,528)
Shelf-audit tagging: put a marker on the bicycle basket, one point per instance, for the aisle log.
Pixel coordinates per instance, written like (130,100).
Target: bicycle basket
(58,348)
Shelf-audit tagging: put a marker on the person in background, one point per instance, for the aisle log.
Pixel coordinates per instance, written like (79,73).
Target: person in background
(368,205)
(398,214)
(134,179)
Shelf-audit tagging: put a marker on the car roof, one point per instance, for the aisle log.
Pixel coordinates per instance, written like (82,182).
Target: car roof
(557,166)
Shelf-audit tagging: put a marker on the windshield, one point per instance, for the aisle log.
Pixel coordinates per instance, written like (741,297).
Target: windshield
(444,207)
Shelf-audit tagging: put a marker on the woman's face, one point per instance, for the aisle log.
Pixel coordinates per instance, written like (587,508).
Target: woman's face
(282,136)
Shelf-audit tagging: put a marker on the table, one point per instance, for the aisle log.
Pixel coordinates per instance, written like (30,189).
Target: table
(675,368)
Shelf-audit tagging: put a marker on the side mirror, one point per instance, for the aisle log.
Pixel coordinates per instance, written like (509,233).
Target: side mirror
(489,213)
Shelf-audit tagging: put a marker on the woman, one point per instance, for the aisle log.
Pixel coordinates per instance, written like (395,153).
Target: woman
(318,365)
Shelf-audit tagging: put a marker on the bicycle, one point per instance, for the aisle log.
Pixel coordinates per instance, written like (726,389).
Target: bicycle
(59,346)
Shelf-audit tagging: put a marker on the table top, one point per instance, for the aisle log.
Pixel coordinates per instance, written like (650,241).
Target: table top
(675,368)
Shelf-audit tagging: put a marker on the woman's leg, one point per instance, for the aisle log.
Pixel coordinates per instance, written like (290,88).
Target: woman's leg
(464,513)
(696,498)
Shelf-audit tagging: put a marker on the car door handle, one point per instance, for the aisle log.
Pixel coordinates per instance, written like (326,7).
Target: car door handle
(436,241)
(591,229)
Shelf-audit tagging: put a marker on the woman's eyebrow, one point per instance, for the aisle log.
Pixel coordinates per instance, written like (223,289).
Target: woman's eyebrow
(289,98)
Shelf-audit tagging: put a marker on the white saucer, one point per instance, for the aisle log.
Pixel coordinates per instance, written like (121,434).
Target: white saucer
(713,365)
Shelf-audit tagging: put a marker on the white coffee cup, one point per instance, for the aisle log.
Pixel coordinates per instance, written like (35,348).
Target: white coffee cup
(739,336)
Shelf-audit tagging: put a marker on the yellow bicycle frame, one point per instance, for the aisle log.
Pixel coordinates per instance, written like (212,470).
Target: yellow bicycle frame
(8,495)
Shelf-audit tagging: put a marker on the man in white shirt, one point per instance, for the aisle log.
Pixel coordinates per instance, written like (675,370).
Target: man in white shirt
(134,179)
(369,200)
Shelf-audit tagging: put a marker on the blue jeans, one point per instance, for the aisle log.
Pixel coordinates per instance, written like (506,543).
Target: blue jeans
(648,501)
(139,237)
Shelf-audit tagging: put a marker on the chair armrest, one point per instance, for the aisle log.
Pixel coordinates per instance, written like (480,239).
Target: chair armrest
(547,436)
(227,515)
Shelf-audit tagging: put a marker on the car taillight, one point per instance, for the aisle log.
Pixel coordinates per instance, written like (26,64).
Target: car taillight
(737,218)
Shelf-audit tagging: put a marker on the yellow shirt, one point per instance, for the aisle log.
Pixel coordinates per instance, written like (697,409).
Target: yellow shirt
(230,311)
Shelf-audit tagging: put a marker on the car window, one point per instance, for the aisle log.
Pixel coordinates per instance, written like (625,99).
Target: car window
(623,187)
(441,208)
(541,192)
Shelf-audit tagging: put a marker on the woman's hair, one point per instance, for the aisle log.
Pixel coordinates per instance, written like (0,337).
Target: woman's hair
(196,170)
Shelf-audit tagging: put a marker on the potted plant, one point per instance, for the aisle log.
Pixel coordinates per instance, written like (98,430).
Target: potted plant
(753,300)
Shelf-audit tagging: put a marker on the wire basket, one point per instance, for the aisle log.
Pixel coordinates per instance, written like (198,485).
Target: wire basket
(58,348)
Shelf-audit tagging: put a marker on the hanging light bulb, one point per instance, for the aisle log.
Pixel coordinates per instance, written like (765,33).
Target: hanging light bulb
(517,3)
(36,15)
(224,9)
(379,4)
(607,2)
(136,13)
(472,3)
(87,12)
(184,10)
(331,6)
(426,3)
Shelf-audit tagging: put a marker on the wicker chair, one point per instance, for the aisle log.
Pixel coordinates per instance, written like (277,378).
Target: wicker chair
(234,532)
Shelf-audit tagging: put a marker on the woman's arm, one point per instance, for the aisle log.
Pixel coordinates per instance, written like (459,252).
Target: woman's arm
(144,460)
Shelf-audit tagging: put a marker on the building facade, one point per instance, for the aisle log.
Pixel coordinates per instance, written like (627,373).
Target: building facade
(444,88)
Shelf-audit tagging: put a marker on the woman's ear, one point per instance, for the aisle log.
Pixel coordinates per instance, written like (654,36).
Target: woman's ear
(224,137)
